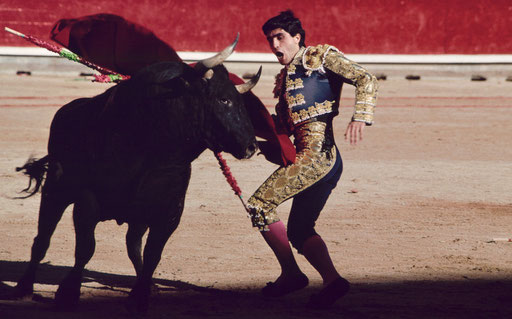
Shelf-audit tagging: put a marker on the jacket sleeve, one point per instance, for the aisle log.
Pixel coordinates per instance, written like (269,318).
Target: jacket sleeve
(366,84)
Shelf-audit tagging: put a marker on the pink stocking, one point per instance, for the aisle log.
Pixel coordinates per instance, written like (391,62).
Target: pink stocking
(277,239)
(316,253)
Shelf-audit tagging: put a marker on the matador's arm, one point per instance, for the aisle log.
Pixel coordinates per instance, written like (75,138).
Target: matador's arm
(366,84)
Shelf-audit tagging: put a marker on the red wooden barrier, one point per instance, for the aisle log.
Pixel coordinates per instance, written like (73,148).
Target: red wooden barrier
(354,26)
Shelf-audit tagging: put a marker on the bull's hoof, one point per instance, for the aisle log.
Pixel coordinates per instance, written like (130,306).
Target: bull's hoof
(138,300)
(20,292)
(68,295)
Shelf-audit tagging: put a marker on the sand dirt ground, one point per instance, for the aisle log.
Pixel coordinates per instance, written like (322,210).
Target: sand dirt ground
(411,223)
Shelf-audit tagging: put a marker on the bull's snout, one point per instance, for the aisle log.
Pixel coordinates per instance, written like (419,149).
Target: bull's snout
(251,149)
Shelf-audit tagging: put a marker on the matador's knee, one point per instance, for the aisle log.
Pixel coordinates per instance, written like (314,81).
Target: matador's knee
(298,236)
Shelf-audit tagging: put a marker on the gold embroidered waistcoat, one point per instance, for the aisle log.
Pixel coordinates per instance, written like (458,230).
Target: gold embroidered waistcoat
(309,90)
(310,86)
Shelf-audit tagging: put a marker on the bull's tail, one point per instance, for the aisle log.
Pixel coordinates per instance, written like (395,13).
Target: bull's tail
(36,170)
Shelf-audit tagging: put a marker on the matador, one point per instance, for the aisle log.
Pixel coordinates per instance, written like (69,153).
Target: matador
(308,89)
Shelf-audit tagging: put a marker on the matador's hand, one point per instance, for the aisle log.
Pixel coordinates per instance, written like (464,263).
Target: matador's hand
(354,132)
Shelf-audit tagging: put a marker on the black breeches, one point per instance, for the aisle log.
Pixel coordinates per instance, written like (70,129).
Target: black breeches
(307,205)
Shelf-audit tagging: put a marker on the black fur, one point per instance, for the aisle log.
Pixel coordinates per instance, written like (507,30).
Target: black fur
(126,155)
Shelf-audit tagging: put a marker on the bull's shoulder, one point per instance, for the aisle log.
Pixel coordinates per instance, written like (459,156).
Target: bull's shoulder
(83,107)
(75,119)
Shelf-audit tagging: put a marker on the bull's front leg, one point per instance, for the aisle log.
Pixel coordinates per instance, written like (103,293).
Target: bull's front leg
(138,301)
(165,220)
(85,219)
(134,245)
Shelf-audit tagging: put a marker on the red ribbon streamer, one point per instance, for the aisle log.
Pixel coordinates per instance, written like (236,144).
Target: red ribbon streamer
(230,178)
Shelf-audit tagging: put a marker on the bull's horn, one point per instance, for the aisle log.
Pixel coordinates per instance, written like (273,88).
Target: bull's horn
(208,74)
(219,57)
(246,87)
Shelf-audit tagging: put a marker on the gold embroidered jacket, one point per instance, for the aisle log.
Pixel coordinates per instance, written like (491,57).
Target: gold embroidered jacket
(310,86)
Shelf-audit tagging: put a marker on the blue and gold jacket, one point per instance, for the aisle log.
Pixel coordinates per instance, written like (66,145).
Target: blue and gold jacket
(310,86)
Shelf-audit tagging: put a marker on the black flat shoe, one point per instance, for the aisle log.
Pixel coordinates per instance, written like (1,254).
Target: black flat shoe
(284,287)
(330,294)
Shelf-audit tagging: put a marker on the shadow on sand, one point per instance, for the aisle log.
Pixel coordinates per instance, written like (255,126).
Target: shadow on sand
(175,299)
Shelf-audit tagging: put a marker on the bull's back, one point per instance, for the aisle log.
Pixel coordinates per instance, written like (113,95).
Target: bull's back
(73,126)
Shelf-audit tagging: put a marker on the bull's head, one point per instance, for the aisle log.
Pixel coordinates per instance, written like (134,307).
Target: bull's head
(173,108)
(230,127)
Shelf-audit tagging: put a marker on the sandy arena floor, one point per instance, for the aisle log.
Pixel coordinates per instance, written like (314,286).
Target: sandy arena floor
(412,223)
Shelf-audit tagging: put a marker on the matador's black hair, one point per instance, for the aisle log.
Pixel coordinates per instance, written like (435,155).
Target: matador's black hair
(288,22)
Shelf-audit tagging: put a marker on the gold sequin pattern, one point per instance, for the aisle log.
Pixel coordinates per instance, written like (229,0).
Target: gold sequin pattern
(364,112)
(294,84)
(365,83)
(291,68)
(311,165)
(316,58)
(294,100)
(312,111)
(313,58)
(285,72)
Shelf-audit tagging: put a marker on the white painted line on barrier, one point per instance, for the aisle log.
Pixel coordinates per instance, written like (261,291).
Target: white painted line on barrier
(268,57)
(26,51)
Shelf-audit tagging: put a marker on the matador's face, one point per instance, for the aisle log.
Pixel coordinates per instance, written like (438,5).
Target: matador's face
(283,45)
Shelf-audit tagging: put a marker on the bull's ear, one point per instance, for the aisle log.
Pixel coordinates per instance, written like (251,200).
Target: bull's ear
(208,75)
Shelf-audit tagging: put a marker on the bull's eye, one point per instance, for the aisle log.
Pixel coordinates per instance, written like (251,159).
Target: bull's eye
(225,101)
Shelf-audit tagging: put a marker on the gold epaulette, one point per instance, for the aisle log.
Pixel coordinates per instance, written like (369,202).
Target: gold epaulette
(313,58)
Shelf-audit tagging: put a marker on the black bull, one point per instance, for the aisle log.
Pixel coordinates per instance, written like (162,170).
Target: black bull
(126,154)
